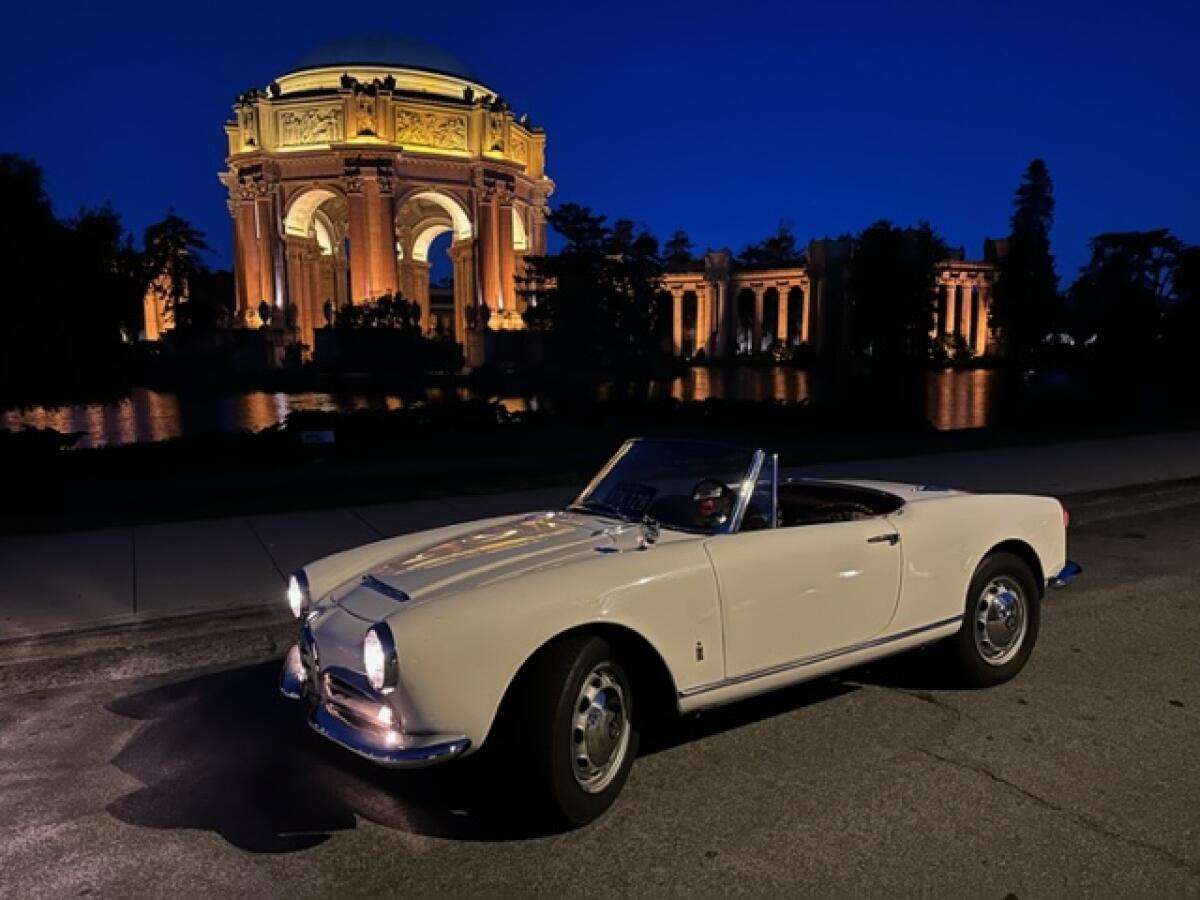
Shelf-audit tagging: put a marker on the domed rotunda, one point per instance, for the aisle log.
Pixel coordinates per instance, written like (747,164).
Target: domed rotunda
(343,171)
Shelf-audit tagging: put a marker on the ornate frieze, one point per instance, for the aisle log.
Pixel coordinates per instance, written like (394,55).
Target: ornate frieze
(310,125)
(430,129)
(519,148)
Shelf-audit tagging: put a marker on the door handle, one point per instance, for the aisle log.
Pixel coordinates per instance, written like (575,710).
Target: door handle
(893,538)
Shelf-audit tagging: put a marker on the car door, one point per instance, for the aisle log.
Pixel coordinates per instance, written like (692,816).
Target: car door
(788,594)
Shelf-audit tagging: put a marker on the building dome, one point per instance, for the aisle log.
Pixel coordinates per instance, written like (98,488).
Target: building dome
(388,51)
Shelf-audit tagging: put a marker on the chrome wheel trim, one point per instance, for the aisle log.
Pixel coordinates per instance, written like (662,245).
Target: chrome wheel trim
(599,729)
(1000,620)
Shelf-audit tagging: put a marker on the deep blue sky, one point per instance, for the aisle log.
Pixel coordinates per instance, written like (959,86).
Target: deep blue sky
(719,118)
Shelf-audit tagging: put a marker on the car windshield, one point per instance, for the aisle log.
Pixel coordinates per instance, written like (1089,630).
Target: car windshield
(686,485)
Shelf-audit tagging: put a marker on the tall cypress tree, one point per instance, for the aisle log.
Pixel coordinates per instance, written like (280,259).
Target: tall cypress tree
(1027,303)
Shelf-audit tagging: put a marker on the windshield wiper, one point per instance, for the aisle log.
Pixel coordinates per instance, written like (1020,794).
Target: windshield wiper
(599,506)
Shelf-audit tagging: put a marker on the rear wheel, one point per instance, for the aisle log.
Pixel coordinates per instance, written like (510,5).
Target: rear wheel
(1000,622)
(578,713)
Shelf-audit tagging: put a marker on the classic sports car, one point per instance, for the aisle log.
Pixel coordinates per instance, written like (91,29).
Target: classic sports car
(684,576)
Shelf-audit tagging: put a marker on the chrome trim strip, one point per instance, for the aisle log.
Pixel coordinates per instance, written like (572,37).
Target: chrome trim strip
(816,658)
(1070,571)
(417,750)
(382,587)
(293,676)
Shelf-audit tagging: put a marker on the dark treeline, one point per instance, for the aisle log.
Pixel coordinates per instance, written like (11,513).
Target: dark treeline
(71,301)
(1136,303)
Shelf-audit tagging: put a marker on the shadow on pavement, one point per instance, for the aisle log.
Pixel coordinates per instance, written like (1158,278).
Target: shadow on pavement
(226,753)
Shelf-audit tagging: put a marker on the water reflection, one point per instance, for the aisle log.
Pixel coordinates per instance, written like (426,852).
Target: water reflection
(960,399)
(953,399)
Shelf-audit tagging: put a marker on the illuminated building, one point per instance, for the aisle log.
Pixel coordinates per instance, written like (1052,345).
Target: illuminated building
(719,309)
(342,172)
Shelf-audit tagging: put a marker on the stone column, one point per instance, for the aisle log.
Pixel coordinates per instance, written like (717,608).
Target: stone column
(677,323)
(316,315)
(267,250)
(463,255)
(805,293)
(781,327)
(756,330)
(341,282)
(981,319)
(506,255)
(420,292)
(372,236)
(361,288)
(489,264)
(704,322)
(297,281)
(249,280)
(950,325)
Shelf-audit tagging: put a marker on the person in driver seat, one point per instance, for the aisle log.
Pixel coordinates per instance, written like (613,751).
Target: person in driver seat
(713,503)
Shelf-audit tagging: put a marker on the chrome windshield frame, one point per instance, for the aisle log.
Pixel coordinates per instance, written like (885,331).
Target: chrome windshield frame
(744,491)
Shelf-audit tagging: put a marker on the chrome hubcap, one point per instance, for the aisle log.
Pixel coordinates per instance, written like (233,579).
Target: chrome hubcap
(1000,621)
(599,730)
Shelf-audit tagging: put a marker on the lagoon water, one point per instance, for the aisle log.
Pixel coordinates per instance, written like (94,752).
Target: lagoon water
(954,399)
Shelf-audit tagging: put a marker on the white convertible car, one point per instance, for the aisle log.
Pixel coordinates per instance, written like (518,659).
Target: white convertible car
(685,575)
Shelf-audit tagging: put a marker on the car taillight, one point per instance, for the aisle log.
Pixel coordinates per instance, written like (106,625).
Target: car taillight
(1066,517)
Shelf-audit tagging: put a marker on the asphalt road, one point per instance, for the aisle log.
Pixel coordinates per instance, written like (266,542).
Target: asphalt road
(1080,777)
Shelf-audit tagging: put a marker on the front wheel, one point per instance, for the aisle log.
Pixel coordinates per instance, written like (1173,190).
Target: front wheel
(579,714)
(1000,622)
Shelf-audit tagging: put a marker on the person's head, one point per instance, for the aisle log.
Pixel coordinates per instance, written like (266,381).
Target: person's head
(713,502)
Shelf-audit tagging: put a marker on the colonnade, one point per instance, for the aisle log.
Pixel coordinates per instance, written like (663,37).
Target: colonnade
(964,300)
(706,315)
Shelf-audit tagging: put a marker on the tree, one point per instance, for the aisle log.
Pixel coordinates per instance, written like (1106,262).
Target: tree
(600,299)
(1123,292)
(1182,323)
(892,292)
(70,287)
(173,263)
(108,271)
(678,253)
(1026,304)
(776,251)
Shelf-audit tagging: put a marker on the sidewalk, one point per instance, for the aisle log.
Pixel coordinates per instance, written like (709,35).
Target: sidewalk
(58,581)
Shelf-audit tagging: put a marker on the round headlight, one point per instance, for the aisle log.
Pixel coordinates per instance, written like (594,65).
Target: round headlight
(379,659)
(297,594)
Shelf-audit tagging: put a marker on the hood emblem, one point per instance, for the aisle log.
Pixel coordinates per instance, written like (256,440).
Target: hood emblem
(382,587)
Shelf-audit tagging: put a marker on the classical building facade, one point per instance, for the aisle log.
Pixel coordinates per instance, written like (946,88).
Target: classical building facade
(719,310)
(342,172)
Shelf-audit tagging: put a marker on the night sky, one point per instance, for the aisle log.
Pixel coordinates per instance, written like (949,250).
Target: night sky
(720,118)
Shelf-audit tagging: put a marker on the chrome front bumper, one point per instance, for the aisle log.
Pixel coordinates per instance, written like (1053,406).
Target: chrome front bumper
(1070,571)
(346,709)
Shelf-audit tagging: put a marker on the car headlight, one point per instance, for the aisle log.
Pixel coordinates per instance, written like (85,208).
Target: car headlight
(379,659)
(298,596)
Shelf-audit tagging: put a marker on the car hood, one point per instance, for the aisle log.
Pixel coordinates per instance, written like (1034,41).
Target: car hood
(496,551)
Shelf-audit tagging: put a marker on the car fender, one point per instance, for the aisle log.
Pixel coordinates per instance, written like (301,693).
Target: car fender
(459,655)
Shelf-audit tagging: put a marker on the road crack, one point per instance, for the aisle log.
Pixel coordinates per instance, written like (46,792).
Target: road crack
(1083,821)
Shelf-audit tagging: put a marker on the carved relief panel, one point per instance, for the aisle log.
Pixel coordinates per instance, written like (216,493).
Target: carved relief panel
(519,148)
(310,125)
(429,129)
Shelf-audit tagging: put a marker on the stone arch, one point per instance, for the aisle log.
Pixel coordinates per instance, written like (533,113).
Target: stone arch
(303,207)
(459,218)
(425,235)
